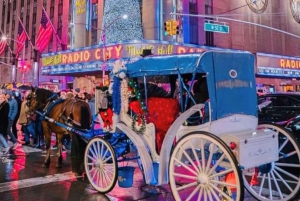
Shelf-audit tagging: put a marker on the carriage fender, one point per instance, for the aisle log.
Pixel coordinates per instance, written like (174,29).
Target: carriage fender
(168,142)
(142,151)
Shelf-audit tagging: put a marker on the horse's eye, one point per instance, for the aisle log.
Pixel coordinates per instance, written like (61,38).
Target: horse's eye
(29,97)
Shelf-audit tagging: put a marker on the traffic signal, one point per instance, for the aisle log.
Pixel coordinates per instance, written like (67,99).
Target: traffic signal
(168,28)
(175,27)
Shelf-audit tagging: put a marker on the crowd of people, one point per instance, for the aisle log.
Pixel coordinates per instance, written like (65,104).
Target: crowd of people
(14,113)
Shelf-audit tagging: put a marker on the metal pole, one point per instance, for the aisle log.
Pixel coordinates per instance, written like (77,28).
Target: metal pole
(235,20)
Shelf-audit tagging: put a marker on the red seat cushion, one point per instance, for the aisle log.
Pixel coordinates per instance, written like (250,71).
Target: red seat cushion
(162,112)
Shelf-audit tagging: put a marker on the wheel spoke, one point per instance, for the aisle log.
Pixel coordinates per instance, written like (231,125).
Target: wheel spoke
(202,155)
(90,157)
(283,181)
(223,183)
(104,178)
(221,173)
(104,161)
(288,155)
(262,184)
(209,193)
(101,151)
(200,194)
(270,187)
(211,153)
(108,170)
(216,164)
(184,176)
(276,184)
(283,144)
(221,192)
(93,153)
(193,193)
(185,166)
(288,165)
(95,172)
(187,186)
(215,194)
(196,156)
(287,173)
(189,159)
(103,156)
(95,150)
(92,169)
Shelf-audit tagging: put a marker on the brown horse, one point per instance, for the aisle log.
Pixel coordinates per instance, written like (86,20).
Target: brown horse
(72,112)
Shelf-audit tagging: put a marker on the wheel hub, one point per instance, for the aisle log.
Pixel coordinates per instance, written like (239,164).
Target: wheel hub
(98,164)
(266,168)
(203,179)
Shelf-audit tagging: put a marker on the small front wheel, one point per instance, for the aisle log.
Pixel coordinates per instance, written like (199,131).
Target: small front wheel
(100,165)
(202,167)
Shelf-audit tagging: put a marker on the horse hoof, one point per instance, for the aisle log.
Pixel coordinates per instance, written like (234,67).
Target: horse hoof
(45,165)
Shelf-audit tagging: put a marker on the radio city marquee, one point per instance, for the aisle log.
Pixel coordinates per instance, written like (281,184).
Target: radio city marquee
(278,66)
(90,59)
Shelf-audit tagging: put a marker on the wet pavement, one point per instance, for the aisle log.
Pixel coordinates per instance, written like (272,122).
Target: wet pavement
(23,178)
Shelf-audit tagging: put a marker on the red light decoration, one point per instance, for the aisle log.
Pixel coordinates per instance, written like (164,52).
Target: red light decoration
(232,145)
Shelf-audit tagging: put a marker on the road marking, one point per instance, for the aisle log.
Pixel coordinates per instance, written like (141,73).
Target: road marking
(14,185)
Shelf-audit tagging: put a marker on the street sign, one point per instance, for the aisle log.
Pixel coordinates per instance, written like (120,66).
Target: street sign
(216,28)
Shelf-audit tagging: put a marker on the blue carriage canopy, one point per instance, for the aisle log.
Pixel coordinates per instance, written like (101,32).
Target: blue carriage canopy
(230,77)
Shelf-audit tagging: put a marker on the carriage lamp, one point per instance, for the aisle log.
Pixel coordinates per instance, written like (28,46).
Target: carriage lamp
(232,145)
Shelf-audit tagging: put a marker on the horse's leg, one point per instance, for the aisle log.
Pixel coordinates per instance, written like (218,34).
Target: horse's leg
(47,133)
(59,150)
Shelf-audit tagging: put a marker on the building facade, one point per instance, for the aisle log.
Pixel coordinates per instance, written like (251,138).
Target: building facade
(84,23)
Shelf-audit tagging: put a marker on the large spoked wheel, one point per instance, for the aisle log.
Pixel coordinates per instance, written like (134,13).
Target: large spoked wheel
(278,180)
(202,167)
(100,165)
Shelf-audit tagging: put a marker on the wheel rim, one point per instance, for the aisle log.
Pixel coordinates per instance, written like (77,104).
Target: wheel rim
(100,165)
(279,180)
(195,175)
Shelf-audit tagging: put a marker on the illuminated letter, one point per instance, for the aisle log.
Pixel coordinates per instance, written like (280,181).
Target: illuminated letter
(288,64)
(282,63)
(70,59)
(97,54)
(118,51)
(86,56)
(76,57)
(181,50)
(293,64)
(64,58)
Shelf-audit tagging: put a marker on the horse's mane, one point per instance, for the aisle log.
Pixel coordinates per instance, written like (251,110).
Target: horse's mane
(153,91)
(42,95)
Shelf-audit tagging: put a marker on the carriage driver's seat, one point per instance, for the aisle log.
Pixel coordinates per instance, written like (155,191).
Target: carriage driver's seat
(162,112)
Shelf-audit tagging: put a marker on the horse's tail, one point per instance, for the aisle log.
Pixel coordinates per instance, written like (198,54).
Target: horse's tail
(85,119)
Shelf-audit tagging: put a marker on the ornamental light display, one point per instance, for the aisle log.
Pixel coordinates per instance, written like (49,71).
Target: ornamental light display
(115,27)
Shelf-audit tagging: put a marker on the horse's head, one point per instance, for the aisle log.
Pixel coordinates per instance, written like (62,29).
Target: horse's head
(37,99)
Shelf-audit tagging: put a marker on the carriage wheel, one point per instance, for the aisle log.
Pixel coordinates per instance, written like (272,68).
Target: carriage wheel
(100,165)
(202,167)
(278,180)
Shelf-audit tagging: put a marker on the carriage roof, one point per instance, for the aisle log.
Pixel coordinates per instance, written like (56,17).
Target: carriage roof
(230,77)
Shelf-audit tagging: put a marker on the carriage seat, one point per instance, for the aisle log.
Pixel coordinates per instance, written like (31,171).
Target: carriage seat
(162,112)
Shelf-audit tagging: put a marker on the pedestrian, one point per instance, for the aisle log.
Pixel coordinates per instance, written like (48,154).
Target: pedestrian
(27,123)
(13,111)
(4,110)
(19,101)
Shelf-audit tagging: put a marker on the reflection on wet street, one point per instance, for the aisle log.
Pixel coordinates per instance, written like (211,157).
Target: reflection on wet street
(23,178)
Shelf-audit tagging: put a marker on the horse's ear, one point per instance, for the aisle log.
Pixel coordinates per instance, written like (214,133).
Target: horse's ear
(32,89)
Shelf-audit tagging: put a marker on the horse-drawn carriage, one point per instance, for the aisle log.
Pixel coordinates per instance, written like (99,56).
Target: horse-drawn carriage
(205,150)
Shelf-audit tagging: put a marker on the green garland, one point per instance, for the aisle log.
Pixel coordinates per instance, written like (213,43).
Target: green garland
(143,126)
(137,94)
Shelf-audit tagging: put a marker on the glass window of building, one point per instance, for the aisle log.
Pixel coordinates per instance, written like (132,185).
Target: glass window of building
(22,3)
(45,3)
(14,5)
(193,7)
(209,36)
(52,12)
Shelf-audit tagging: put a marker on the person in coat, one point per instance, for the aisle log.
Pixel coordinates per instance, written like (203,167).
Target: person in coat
(13,111)
(4,110)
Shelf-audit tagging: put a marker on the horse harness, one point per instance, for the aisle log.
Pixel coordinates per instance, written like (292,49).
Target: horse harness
(67,118)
